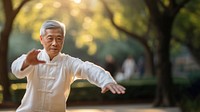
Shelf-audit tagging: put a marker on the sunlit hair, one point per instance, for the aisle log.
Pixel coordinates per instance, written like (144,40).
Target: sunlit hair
(52,24)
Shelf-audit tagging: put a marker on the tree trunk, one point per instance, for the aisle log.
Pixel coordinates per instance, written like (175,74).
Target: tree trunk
(164,94)
(10,14)
(149,62)
(4,80)
(163,20)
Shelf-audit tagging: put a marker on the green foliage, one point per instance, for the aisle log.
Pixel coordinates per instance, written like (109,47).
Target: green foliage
(133,16)
(187,27)
(190,97)
(35,13)
(119,49)
(189,105)
(20,43)
(83,28)
(130,14)
(176,49)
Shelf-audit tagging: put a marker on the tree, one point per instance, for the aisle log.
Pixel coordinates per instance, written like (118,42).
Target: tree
(142,39)
(187,33)
(162,15)
(10,14)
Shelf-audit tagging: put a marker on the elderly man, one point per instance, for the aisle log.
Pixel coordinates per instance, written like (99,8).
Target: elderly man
(50,73)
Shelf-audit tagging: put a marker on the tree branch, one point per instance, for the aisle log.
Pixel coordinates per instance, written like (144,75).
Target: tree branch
(179,6)
(153,7)
(8,8)
(16,11)
(111,17)
(162,4)
(149,26)
(110,14)
(172,3)
(155,14)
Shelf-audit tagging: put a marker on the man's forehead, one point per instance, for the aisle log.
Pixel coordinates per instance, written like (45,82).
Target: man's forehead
(53,32)
(54,29)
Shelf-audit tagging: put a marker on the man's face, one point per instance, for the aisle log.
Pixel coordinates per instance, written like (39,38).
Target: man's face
(52,42)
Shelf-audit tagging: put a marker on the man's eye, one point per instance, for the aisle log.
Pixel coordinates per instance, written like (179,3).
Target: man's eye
(60,39)
(49,38)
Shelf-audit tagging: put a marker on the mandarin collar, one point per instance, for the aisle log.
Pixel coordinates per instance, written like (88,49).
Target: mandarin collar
(47,58)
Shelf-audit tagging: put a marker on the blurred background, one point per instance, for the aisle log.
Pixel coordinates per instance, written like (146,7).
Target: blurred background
(158,40)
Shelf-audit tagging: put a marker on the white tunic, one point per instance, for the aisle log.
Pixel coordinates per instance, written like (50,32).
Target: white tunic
(48,85)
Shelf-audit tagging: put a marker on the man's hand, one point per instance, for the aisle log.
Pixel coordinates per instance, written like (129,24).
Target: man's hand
(31,59)
(114,88)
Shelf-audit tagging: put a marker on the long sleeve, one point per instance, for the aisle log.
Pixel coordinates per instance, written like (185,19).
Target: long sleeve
(93,73)
(17,65)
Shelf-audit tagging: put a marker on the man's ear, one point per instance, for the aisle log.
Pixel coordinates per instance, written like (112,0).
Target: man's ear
(41,39)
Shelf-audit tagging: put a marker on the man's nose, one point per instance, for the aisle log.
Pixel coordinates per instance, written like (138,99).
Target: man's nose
(54,42)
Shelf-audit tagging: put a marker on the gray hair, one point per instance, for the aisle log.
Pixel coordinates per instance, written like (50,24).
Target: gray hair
(52,24)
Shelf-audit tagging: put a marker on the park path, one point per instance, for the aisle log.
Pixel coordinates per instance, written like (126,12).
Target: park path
(116,108)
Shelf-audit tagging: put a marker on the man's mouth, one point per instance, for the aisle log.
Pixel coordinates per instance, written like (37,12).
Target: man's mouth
(53,49)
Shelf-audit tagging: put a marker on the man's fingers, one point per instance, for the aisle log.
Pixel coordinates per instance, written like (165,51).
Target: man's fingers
(118,89)
(104,90)
(121,89)
(32,58)
(114,88)
(33,52)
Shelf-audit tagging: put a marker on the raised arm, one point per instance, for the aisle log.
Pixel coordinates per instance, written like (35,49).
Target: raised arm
(31,59)
(21,66)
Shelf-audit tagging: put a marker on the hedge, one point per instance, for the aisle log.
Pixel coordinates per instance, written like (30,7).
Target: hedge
(136,89)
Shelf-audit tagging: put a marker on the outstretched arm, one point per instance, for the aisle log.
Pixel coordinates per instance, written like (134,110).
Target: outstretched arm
(96,75)
(114,88)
